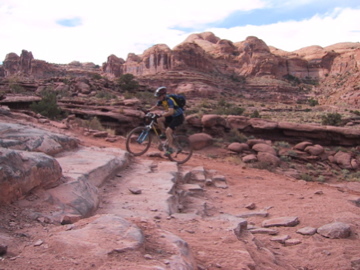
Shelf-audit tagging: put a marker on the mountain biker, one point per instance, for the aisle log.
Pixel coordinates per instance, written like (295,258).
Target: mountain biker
(170,119)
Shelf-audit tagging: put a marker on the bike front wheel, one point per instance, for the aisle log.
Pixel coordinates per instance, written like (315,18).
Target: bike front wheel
(183,149)
(138,141)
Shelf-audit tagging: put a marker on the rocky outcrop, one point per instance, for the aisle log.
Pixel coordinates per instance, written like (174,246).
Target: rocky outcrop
(22,171)
(267,129)
(205,65)
(25,65)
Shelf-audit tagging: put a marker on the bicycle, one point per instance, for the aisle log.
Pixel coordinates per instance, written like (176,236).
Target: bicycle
(139,140)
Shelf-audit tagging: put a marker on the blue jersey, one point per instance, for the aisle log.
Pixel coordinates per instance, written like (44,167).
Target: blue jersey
(169,103)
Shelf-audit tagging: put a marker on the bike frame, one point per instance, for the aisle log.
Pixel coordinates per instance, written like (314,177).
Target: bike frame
(183,150)
(151,126)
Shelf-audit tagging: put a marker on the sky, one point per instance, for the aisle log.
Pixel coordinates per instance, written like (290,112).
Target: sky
(62,31)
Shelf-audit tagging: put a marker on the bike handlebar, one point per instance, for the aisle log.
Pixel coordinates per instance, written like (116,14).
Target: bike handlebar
(152,115)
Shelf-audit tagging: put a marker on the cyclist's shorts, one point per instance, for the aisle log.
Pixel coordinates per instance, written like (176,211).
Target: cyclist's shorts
(174,121)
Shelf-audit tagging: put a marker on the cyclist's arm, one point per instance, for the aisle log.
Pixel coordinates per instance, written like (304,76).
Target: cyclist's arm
(156,106)
(170,112)
(171,108)
(153,108)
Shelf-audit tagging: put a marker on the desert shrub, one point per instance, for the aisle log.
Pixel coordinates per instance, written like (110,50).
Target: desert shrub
(128,95)
(205,103)
(255,114)
(263,166)
(356,112)
(145,97)
(127,82)
(309,166)
(93,123)
(285,158)
(332,119)
(234,110)
(96,76)
(105,95)
(306,177)
(353,177)
(236,160)
(15,87)
(292,153)
(313,102)
(235,135)
(282,144)
(292,79)
(47,106)
(226,108)
(310,80)
(238,78)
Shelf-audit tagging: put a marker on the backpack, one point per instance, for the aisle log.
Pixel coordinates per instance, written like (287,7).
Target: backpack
(179,100)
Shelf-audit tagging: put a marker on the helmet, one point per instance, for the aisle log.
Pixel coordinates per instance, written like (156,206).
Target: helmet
(160,91)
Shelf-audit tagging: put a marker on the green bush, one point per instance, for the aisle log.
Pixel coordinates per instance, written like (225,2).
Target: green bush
(355,112)
(306,177)
(47,106)
(127,82)
(235,135)
(255,114)
(313,102)
(332,119)
(96,76)
(292,79)
(105,95)
(225,108)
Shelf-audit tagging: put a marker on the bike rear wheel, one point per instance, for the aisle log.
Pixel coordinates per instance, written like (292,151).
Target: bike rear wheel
(138,141)
(183,151)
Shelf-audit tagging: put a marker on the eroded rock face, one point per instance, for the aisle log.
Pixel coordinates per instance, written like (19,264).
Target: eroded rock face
(21,171)
(19,137)
(190,67)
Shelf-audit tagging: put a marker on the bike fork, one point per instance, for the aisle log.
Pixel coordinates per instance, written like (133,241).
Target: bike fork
(142,136)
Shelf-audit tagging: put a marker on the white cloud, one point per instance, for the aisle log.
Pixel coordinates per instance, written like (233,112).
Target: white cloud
(117,27)
(341,26)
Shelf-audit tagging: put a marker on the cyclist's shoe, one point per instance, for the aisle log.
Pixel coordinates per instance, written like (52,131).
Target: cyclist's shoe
(169,151)
(162,136)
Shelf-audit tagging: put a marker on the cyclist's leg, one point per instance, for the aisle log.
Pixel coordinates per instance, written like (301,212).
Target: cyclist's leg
(161,124)
(175,122)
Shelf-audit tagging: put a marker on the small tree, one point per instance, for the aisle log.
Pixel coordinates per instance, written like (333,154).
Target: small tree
(47,106)
(127,82)
(332,119)
(313,102)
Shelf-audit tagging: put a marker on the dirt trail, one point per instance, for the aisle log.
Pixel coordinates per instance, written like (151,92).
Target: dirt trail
(212,239)
(210,234)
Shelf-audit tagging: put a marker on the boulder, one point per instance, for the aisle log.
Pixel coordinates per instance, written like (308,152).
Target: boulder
(193,120)
(302,145)
(267,158)
(262,147)
(249,158)
(314,150)
(200,140)
(211,120)
(22,171)
(238,147)
(343,159)
(335,230)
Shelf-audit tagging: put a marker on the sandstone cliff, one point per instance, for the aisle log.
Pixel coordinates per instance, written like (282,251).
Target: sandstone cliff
(205,65)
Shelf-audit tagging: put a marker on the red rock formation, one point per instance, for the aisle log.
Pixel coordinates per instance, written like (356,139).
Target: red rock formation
(205,65)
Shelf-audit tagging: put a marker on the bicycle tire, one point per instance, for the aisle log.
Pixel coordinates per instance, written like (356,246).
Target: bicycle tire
(135,145)
(184,149)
